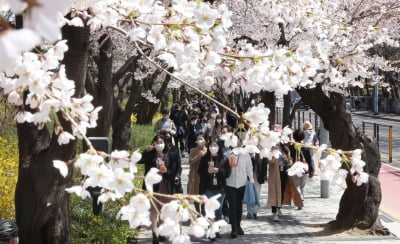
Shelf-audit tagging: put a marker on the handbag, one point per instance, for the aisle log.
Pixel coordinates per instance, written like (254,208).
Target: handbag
(250,196)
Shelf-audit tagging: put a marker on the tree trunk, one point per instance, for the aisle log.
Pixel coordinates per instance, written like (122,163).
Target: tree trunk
(147,109)
(122,119)
(286,118)
(104,92)
(359,205)
(268,98)
(41,201)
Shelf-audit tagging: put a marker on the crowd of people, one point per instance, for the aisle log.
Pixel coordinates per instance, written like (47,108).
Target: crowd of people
(195,129)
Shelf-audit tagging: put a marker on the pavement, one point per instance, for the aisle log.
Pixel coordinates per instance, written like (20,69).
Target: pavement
(294,226)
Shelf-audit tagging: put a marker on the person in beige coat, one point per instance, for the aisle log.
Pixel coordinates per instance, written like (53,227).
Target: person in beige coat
(277,179)
(195,156)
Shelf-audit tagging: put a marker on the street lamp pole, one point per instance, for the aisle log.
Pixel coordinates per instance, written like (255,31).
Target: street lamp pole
(376,101)
(376,91)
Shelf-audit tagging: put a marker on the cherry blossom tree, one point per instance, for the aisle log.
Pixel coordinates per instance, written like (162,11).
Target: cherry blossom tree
(316,47)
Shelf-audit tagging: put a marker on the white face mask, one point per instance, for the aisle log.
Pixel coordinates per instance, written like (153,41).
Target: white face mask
(219,121)
(160,147)
(213,116)
(213,150)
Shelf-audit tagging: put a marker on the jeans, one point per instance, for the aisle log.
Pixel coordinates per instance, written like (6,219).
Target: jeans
(211,193)
(235,200)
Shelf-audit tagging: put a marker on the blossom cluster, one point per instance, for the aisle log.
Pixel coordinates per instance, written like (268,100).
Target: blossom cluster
(48,91)
(115,179)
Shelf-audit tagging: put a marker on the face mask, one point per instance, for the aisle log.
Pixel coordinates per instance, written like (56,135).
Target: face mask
(201,142)
(159,147)
(194,122)
(219,121)
(213,116)
(213,150)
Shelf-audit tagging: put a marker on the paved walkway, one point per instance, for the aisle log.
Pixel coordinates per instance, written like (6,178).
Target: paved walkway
(295,226)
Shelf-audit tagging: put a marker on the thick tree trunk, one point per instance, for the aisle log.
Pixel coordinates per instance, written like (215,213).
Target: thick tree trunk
(122,119)
(41,200)
(359,205)
(147,109)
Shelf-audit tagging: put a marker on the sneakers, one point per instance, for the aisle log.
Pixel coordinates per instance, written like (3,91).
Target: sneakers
(255,216)
(280,212)
(275,217)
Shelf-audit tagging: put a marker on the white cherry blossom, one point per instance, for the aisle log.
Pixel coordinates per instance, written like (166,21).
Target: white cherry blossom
(79,191)
(152,177)
(61,166)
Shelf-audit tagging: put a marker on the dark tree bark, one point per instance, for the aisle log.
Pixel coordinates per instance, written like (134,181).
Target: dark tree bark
(147,110)
(122,118)
(359,205)
(41,201)
(268,98)
(286,118)
(102,91)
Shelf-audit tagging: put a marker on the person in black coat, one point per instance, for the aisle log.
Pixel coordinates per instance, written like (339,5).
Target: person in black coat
(159,155)
(180,119)
(213,170)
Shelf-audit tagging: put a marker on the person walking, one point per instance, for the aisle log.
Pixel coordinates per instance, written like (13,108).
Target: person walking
(277,179)
(192,132)
(213,170)
(259,174)
(310,137)
(157,156)
(195,156)
(165,124)
(176,165)
(242,171)
(304,155)
(180,119)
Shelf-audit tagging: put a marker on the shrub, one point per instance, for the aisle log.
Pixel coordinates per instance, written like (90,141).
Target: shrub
(8,177)
(89,228)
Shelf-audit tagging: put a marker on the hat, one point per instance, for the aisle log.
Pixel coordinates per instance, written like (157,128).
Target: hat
(165,111)
(307,125)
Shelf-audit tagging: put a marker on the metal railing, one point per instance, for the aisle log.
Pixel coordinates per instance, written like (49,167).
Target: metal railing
(299,119)
(380,136)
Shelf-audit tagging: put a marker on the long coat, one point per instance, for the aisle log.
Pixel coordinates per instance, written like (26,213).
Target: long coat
(292,194)
(274,184)
(195,156)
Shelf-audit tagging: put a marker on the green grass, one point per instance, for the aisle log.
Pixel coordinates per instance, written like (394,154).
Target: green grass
(141,136)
